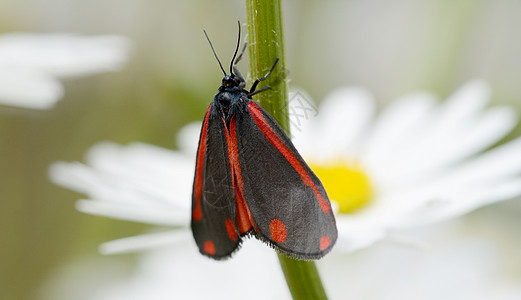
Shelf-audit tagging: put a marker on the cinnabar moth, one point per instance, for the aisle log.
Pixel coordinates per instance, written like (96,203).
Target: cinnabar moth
(250,180)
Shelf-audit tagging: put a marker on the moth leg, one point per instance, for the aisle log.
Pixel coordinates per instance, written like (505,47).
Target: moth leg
(254,86)
(261,90)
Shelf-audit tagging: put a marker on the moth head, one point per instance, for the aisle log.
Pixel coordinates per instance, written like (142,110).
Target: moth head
(230,80)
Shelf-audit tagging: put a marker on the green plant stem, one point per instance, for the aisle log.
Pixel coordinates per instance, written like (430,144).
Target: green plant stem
(266,44)
(302,278)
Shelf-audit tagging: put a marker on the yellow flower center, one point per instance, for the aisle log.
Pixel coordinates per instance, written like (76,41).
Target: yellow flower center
(346,184)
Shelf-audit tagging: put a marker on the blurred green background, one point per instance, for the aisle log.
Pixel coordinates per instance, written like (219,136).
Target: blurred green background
(389,47)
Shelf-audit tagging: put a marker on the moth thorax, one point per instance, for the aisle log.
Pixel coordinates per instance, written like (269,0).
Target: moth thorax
(225,99)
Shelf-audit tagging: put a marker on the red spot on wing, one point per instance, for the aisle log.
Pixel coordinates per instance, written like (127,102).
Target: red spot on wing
(278,231)
(209,247)
(325,241)
(244,218)
(272,137)
(197,213)
(230,228)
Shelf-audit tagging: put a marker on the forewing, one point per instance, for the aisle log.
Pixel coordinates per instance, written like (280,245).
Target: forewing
(287,201)
(213,199)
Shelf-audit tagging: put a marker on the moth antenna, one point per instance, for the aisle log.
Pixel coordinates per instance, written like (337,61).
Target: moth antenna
(215,54)
(236,48)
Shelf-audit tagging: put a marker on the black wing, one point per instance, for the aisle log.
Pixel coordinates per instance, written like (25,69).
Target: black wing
(288,204)
(213,200)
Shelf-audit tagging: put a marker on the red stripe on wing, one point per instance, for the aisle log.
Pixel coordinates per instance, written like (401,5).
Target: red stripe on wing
(197,213)
(273,138)
(244,219)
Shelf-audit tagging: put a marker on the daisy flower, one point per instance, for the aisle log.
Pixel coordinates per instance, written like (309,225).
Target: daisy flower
(457,264)
(138,182)
(461,261)
(32,64)
(417,162)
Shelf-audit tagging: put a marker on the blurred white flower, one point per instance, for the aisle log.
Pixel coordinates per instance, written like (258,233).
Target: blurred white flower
(464,259)
(32,64)
(181,272)
(415,163)
(467,258)
(138,182)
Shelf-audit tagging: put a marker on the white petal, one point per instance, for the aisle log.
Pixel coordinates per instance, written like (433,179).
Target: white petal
(459,131)
(352,237)
(460,267)
(469,100)
(146,213)
(464,105)
(183,273)
(146,241)
(138,174)
(99,185)
(28,88)
(301,110)
(488,129)
(397,128)
(64,55)
(494,165)
(188,138)
(344,117)
(302,114)
(447,202)
(159,172)
(77,177)
(371,223)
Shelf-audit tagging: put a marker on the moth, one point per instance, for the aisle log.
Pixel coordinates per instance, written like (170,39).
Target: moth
(251,181)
